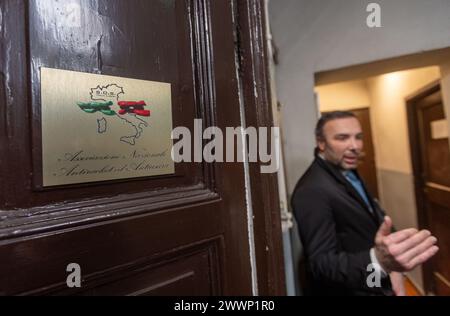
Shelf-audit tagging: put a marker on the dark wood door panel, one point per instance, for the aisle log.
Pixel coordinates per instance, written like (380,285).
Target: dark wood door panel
(186,233)
(151,237)
(148,40)
(19,223)
(141,38)
(437,194)
(152,40)
(104,226)
(442,285)
(188,276)
(172,50)
(440,223)
(436,162)
(194,270)
(436,151)
(431,164)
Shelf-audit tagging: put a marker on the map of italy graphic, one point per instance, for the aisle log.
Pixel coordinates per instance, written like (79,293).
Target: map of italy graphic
(104,99)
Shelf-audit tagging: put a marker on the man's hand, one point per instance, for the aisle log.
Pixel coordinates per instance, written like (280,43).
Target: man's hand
(403,250)
(398,283)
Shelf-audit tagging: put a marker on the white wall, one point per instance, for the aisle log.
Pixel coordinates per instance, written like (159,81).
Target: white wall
(388,93)
(315,36)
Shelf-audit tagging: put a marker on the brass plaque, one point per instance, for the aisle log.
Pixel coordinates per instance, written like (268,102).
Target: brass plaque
(99,128)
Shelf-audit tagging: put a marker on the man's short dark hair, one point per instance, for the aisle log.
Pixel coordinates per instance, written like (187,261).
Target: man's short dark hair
(329,116)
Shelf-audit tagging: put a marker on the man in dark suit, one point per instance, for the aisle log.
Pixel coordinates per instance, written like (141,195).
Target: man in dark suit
(348,241)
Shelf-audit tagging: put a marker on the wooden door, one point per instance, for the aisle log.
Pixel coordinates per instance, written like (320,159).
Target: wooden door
(431,157)
(184,234)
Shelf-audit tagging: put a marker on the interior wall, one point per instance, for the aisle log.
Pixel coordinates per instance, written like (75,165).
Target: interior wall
(347,95)
(388,95)
(389,118)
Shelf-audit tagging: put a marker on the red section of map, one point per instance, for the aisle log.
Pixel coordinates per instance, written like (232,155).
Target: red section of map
(133,107)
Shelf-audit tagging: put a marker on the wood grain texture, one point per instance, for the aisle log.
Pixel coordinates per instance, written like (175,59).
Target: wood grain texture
(177,235)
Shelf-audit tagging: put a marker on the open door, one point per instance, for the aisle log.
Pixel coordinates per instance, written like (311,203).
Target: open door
(431,163)
(187,233)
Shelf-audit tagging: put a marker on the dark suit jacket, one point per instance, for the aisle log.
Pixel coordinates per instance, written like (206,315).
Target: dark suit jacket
(337,231)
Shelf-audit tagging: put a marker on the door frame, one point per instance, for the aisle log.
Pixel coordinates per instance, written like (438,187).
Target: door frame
(256,98)
(414,135)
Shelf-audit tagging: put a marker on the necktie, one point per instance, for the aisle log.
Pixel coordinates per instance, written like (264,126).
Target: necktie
(353,179)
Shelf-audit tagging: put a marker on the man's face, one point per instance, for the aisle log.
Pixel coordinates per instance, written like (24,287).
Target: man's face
(343,142)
